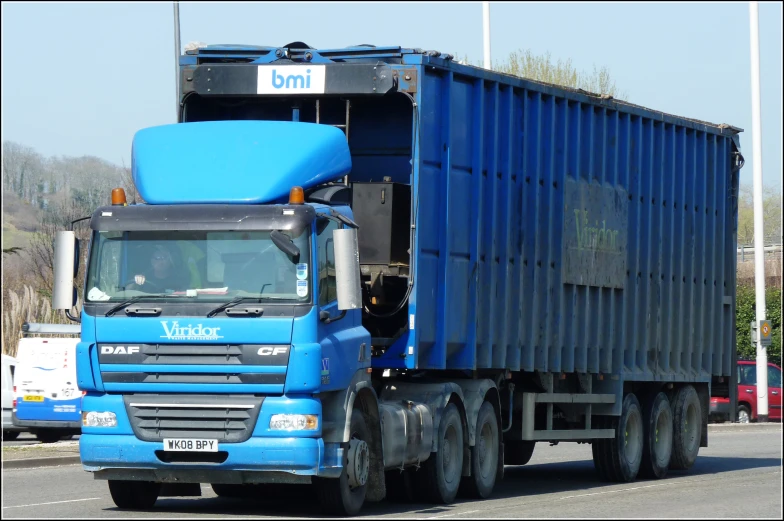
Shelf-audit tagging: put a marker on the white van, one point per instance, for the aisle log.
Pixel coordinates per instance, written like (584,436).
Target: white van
(10,431)
(48,399)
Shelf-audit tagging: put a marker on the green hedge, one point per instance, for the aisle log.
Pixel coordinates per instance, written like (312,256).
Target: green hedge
(746,314)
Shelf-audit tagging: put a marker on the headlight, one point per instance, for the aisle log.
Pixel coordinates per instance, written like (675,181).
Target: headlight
(99,419)
(294,422)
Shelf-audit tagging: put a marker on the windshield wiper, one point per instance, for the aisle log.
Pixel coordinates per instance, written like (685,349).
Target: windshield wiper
(133,301)
(231,303)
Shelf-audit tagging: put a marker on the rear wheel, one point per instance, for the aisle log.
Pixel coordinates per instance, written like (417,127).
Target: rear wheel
(618,458)
(484,455)
(687,428)
(140,495)
(657,447)
(439,477)
(344,496)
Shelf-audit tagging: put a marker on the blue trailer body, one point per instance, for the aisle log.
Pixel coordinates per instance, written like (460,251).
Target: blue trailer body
(505,275)
(504,278)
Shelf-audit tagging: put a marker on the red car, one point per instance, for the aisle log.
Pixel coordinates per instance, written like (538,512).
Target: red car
(747,394)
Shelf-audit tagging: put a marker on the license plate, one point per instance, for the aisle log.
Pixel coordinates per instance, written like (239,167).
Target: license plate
(179,445)
(33,398)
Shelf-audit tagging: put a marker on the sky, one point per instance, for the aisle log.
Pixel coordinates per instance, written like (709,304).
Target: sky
(82,78)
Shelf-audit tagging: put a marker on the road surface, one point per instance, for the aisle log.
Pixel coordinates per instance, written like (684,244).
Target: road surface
(738,476)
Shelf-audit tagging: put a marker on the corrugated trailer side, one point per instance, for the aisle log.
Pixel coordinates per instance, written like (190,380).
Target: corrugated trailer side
(559,231)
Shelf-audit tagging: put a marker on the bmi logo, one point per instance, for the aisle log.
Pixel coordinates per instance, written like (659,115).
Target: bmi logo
(189,332)
(286,79)
(292,81)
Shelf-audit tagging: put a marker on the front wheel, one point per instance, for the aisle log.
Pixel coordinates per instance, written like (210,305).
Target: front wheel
(345,495)
(138,495)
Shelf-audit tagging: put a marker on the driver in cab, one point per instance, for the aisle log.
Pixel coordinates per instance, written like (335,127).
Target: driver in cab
(163,273)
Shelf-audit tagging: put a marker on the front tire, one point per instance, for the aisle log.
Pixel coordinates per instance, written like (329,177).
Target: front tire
(484,455)
(744,414)
(338,496)
(136,495)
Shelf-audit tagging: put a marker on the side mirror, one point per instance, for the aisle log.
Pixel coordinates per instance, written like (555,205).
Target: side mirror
(65,251)
(347,269)
(77,252)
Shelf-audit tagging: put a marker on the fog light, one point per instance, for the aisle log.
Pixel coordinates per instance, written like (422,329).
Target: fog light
(294,422)
(99,419)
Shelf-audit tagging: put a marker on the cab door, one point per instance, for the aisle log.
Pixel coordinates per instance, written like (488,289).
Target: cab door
(774,392)
(747,388)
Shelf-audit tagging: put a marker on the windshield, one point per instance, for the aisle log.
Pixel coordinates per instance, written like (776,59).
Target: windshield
(214,266)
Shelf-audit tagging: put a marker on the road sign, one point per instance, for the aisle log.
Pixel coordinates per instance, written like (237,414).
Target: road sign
(764,330)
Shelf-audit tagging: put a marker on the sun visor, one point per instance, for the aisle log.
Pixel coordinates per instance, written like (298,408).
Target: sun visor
(242,162)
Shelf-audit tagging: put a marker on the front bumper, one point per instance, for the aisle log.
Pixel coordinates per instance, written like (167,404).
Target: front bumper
(127,457)
(46,424)
(8,422)
(118,453)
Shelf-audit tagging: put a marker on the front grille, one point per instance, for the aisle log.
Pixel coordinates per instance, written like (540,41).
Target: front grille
(185,354)
(226,418)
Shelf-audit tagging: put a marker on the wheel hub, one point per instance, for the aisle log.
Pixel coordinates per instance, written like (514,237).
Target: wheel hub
(358,465)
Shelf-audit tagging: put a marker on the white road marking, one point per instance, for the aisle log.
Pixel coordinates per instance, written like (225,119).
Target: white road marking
(455,514)
(669,483)
(630,488)
(54,502)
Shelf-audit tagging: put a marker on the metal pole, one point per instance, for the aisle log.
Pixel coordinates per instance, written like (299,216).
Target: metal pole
(486,32)
(177,51)
(759,254)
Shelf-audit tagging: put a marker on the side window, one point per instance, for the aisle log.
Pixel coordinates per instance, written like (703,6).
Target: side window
(774,377)
(109,273)
(327,282)
(747,374)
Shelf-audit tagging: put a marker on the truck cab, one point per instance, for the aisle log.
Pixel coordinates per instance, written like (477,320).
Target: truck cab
(207,328)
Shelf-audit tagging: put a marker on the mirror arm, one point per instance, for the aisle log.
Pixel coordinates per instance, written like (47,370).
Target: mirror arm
(324,316)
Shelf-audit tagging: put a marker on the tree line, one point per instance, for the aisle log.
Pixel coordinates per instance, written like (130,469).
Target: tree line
(41,196)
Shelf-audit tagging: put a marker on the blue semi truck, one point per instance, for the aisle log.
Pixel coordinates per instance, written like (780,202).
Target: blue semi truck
(384,273)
